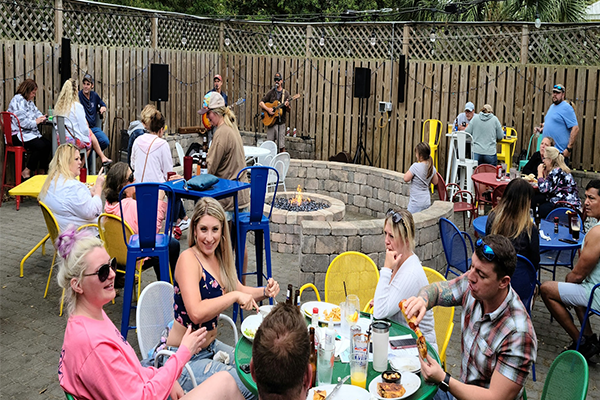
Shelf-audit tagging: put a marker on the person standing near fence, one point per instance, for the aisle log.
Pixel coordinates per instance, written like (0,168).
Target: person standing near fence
(217,87)
(93,104)
(277,130)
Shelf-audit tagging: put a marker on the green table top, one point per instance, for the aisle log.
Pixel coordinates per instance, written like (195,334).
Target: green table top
(243,354)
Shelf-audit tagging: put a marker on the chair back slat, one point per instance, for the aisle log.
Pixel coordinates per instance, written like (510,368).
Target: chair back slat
(524,280)
(154,312)
(455,247)
(441,188)
(51,222)
(109,227)
(259,176)
(7,127)
(567,377)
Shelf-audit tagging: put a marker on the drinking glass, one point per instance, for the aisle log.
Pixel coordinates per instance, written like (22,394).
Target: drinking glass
(575,227)
(359,360)
(325,363)
(352,308)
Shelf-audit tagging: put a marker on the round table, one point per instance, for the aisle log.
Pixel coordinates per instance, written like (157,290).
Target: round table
(548,227)
(243,354)
(489,179)
(253,152)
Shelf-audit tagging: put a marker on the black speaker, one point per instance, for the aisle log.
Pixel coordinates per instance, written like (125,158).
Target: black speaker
(64,67)
(401,78)
(159,82)
(362,83)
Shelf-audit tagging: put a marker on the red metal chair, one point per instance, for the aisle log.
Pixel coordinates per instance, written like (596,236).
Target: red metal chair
(483,193)
(19,151)
(465,203)
(497,194)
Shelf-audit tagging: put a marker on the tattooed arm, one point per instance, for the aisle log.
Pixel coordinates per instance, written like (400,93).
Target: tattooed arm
(445,294)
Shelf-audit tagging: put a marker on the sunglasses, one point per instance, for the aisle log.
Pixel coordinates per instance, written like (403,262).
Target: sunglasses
(558,88)
(104,270)
(396,217)
(277,79)
(131,178)
(488,252)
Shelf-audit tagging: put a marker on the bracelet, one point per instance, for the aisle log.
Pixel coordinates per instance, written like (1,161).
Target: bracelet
(265,291)
(570,149)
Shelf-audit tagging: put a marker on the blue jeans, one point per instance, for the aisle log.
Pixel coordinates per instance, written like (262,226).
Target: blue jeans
(204,367)
(486,159)
(102,138)
(441,395)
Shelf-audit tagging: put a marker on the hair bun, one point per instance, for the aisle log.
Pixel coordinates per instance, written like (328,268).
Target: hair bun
(66,241)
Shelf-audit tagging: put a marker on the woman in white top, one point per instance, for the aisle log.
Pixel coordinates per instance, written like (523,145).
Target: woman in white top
(77,129)
(402,275)
(71,202)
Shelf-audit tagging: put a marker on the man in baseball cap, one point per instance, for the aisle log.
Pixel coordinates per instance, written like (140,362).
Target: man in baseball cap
(462,120)
(93,105)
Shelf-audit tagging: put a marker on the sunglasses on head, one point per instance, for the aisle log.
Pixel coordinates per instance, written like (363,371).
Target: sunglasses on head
(558,88)
(104,270)
(396,216)
(488,252)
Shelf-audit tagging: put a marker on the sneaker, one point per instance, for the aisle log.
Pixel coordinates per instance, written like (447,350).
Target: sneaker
(590,346)
(184,224)
(177,233)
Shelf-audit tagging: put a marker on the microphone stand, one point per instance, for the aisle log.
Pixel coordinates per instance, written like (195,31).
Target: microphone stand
(256,128)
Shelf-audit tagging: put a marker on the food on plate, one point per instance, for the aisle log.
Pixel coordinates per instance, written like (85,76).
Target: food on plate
(89,185)
(530,178)
(335,315)
(319,394)
(390,390)
(390,376)
(250,332)
(412,323)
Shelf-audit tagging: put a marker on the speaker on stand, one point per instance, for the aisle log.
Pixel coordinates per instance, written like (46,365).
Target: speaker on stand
(362,91)
(159,83)
(64,64)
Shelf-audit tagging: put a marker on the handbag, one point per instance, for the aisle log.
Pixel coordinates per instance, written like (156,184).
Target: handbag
(202,182)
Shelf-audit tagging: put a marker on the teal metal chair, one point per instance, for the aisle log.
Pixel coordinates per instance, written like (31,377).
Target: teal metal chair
(567,378)
(539,137)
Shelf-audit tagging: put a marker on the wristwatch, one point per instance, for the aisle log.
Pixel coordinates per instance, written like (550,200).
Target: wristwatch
(570,149)
(445,384)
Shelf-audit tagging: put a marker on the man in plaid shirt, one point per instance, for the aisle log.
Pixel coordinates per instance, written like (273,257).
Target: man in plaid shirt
(499,344)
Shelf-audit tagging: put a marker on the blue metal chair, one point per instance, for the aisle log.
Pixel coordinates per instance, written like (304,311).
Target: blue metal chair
(146,243)
(256,221)
(523,281)
(455,247)
(589,311)
(550,259)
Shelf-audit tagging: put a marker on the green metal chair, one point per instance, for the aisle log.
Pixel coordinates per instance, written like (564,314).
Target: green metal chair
(567,378)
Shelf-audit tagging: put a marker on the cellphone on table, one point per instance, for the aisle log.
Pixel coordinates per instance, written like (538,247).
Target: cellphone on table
(245,368)
(570,241)
(403,343)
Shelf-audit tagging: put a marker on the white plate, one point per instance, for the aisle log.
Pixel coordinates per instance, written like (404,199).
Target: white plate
(410,381)
(346,392)
(251,322)
(406,364)
(307,309)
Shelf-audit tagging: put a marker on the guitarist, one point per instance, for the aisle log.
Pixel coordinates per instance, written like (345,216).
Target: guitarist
(217,87)
(278,128)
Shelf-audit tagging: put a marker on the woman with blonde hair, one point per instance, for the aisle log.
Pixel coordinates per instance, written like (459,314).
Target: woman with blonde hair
(555,183)
(511,219)
(95,361)
(70,201)
(402,275)
(77,132)
(420,175)
(206,284)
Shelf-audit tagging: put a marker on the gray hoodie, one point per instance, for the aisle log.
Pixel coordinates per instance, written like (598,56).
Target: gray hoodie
(486,130)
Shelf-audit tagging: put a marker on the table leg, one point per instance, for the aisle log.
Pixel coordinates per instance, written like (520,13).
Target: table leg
(450,159)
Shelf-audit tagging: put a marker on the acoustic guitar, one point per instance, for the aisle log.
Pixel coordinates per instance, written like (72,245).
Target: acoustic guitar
(206,121)
(268,119)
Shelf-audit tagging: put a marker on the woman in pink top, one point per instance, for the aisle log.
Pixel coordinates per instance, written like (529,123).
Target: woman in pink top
(95,361)
(119,176)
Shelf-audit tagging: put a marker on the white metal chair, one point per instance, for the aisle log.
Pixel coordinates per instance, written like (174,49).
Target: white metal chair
(154,312)
(281,162)
(468,164)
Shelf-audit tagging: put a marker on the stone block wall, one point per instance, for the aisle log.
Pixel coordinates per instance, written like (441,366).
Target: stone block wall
(298,147)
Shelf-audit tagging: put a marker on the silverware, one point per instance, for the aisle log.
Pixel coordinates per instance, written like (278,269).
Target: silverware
(337,387)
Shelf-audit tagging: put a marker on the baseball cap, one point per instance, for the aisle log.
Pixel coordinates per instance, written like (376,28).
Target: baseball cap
(89,78)
(487,109)
(558,88)
(216,101)
(217,76)
(469,106)
(277,77)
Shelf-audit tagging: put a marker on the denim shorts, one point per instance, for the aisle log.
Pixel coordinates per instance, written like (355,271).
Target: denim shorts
(229,214)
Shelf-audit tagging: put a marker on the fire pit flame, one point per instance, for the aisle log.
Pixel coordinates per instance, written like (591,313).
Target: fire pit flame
(297,200)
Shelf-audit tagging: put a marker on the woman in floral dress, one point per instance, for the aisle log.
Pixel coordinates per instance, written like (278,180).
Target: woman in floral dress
(558,185)
(206,284)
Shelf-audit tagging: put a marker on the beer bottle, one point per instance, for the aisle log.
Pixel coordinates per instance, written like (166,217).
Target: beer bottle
(297,298)
(288,296)
(205,144)
(312,359)
(204,164)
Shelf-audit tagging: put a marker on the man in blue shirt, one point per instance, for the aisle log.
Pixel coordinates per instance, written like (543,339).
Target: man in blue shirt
(90,102)
(560,123)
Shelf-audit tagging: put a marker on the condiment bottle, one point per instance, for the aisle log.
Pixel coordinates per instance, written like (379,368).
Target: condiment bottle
(555,224)
(498,172)
(538,217)
(288,296)
(314,321)
(312,358)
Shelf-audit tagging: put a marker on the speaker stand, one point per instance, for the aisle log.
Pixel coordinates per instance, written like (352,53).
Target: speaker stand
(256,128)
(361,148)
(158,105)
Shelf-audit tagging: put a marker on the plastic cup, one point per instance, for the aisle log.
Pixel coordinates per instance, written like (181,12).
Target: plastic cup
(170,174)
(50,114)
(359,360)
(83,175)
(187,167)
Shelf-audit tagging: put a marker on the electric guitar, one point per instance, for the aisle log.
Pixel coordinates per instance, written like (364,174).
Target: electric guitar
(269,119)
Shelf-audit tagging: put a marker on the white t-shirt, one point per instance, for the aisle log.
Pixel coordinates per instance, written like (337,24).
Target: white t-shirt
(159,158)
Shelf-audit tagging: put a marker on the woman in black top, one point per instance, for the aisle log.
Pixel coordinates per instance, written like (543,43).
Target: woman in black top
(536,159)
(511,219)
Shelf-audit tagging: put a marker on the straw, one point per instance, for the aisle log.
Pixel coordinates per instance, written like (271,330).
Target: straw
(345,292)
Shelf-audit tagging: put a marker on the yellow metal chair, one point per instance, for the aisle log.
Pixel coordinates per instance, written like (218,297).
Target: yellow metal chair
(433,128)
(357,271)
(507,148)
(443,318)
(111,234)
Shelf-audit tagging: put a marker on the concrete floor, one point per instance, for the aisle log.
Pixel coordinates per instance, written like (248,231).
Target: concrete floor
(32,332)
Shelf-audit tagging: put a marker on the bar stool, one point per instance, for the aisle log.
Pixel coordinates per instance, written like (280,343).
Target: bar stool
(507,147)
(468,164)
(434,129)
(9,147)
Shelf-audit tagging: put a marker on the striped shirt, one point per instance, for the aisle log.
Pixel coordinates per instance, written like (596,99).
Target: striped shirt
(503,340)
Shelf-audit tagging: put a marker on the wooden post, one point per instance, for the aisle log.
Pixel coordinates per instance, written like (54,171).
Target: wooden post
(524,44)
(154,28)
(309,36)
(405,40)
(221,36)
(58,21)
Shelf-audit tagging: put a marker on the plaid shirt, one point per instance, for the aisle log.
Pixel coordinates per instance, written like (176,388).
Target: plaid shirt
(503,340)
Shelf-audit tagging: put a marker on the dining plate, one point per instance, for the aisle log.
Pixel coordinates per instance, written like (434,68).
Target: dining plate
(410,381)
(323,307)
(350,392)
(406,364)
(250,325)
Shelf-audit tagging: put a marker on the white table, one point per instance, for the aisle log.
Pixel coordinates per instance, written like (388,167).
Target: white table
(253,152)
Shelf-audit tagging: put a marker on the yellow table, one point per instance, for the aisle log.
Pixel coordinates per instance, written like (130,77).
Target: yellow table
(507,149)
(32,186)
